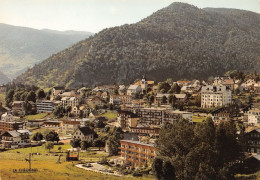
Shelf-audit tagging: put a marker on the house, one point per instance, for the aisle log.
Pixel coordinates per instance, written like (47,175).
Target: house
(253,141)
(84,134)
(221,115)
(133,89)
(17,107)
(69,126)
(122,90)
(93,115)
(69,101)
(181,97)
(215,96)
(145,129)
(56,91)
(16,139)
(95,101)
(159,98)
(120,99)
(35,123)
(136,153)
(253,117)
(7,117)
(230,83)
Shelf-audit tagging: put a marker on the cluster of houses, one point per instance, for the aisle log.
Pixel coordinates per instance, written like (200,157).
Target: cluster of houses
(135,115)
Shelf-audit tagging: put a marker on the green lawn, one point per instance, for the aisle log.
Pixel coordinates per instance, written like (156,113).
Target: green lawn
(48,167)
(199,118)
(36,116)
(110,115)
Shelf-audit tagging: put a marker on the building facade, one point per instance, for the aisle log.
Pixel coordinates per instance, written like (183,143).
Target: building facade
(215,96)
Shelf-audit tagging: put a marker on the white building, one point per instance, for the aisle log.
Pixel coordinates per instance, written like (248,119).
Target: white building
(215,96)
(253,117)
(84,134)
(120,99)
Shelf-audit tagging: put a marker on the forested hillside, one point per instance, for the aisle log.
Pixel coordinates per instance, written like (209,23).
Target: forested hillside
(22,47)
(179,41)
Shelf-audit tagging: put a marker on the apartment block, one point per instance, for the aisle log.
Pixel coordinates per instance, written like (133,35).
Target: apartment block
(215,96)
(136,153)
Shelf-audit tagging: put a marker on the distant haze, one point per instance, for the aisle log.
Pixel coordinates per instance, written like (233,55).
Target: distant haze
(95,15)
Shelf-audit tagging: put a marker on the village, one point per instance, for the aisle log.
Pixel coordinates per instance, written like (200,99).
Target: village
(112,129)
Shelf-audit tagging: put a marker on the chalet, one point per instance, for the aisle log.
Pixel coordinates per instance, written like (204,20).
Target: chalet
(16,139)
(11,126)
(84,134)
(253,141)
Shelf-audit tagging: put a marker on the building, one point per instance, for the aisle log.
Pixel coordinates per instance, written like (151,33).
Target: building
(159,116)
(123,118)
(253,117)
(7,117)
(16,139)
(56,91)
(162,98)
(133,89)
(70,101)
(145,85)
(144,129)
(45,106)
(181,97)
(84,134)
(136,153)
(52,125)
(120,99)
(69,126)
(215,96)
(11,126)
(253,141)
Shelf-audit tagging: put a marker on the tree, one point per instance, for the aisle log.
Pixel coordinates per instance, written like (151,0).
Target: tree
(59,111)
(68,109)
(31,96)
(9,98)
(75,143)
(27,108)
(49,146)
(113,141)
(41,94)
(85,145)
(52,136)
(203,151)
(37,137)
(98,143)
(163,87)
(176,88)
(164,99)
(157,167)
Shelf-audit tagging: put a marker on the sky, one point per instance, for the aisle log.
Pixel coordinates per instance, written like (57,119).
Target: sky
(95,15)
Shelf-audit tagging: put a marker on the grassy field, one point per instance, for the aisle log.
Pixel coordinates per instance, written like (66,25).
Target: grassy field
(199,118)
(36,116)
(110,115)
(48,167)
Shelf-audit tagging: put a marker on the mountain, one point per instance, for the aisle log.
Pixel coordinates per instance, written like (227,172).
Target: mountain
(179,41)
(22,47)
(3,78)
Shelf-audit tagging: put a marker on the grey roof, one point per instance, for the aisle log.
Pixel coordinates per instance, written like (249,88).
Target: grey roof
(138,142)
(133,87)
(14,133)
